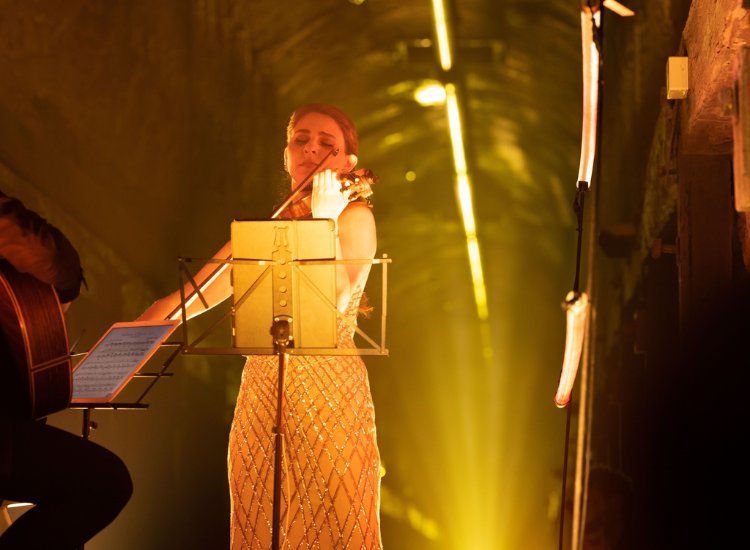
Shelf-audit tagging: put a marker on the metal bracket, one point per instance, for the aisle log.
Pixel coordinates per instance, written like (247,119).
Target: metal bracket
(281,261)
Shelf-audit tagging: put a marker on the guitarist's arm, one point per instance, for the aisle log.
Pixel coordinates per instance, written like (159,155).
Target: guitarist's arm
(31,245)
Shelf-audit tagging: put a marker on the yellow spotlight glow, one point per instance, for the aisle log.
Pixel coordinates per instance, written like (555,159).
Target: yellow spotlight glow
(480,294)
(463,190)
(411,175)
(577,307)
(464,199)
(430,93)
(441,28)
(454,120)
(590,93)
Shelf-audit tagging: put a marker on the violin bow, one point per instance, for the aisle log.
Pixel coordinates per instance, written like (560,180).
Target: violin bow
(305,182)
(190,298)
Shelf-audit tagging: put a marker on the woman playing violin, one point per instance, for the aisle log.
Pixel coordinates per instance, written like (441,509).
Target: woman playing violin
(331,478)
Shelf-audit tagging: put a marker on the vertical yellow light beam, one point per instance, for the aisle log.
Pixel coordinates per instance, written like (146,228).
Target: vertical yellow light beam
(441,27)
(463,185)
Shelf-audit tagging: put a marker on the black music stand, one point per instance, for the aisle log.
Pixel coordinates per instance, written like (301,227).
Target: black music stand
(138,405)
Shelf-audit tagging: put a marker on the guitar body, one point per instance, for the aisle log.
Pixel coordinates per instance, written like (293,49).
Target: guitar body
(35,364)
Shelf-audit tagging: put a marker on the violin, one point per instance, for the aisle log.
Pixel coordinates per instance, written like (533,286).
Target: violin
(359,181)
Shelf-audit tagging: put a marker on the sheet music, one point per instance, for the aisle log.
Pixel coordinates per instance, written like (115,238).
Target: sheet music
(114,359)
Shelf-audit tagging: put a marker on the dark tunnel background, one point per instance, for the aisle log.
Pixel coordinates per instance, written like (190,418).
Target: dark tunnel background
(141,129)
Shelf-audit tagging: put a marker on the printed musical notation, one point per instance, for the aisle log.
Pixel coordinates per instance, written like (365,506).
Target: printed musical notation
(118,355)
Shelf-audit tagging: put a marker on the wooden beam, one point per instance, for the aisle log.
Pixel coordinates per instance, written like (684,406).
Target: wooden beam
(705,219)
(714,32)
(736,102)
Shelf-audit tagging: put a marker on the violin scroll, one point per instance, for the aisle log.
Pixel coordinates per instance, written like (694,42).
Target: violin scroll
(360,181)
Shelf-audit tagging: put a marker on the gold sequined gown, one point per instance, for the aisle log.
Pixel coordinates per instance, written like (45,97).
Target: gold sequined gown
(331,482)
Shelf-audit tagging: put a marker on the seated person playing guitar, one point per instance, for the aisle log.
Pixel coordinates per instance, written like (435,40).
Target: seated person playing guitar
(77,486)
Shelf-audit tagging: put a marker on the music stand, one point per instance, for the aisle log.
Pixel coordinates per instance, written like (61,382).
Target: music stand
(138,405)
(284,277)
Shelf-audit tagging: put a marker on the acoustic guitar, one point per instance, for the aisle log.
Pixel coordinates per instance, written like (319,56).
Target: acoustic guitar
(35,364)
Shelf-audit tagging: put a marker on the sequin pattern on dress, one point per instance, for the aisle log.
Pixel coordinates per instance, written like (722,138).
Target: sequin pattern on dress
(331,478)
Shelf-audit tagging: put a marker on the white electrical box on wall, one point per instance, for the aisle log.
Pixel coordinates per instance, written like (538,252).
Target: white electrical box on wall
(677,77)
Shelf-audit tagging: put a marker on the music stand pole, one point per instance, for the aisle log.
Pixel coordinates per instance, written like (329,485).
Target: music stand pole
(89,424)
(281,331)
(292,290)
(283,302)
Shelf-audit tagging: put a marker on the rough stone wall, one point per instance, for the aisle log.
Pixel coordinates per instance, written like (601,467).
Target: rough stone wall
(713,33)
(136,128)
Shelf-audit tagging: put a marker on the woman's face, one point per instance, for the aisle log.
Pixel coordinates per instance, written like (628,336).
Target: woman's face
(314,136)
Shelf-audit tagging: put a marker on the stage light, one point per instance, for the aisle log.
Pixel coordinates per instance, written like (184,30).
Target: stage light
(463,188)
(430,93)
(590,93)
(480,293)
(464,199)
(441,28)
(577,306)
(454,121)
(618,8)
(411,175)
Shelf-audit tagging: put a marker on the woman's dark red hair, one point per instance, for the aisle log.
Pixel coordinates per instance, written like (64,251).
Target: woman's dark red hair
(351,141)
